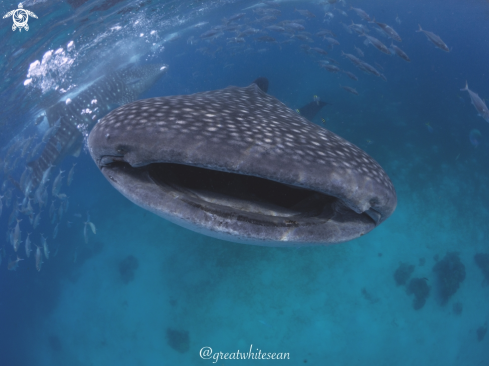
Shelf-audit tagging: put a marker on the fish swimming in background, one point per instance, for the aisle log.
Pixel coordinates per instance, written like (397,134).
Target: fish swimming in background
(116,88)
(388,30)
(239,165)
(350,75)
(329,15)
(360,13)
(38,258)
(233,18)
(477,102)
(16,236)
(349,89)
(428,126)
(12,265)
(58,181)
(305,13)
(400,53)
(36,220)
(331,68)
(55,232)
(359,28)
(45,246)
(70,175)
(376,43)
(28,248)
(433,38)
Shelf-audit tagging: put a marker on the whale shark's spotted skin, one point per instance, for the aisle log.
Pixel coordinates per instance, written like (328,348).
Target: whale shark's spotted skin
(118,87)
(248,132)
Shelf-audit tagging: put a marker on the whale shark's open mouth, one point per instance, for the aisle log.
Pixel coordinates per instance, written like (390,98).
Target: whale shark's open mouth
(239,165)
(241,199)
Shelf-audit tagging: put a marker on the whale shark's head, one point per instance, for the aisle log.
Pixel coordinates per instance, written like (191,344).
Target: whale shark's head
(239,165)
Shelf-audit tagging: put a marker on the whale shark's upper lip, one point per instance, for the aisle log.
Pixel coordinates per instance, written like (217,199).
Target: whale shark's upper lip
(109,159)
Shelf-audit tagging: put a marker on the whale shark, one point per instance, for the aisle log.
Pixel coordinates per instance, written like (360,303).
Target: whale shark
(239,165)
(68,118)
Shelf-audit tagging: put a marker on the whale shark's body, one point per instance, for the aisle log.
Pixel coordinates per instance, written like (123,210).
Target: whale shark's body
(239,165)
(82,112)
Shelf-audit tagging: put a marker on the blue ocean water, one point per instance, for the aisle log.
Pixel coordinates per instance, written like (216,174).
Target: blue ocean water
(143,291)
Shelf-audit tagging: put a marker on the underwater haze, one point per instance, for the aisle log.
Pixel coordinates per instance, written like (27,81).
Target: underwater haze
(87,277)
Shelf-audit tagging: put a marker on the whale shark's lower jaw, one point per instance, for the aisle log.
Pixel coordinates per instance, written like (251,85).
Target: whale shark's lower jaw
(235,207)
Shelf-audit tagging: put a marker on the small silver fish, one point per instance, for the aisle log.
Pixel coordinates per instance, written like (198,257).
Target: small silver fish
(36,220)
(377,44)
(57,183)
(400,53)
(85,235)
(319,50)
(331,41)
(388,30)
(305,13)
(28,248)
(45,246)
(12,265)
(17,234)
(46,174)
(38,258)
(331,68)
(55,233)
(361,13)
(433,38)
(92,226)
(478,103)
(359,28)
(349,90)
(350,75)
(359,51)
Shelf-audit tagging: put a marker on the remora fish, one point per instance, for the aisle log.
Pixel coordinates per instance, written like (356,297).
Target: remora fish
(118,87)
(239,165)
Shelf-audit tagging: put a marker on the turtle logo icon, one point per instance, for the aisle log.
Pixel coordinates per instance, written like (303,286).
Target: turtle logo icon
(20,17)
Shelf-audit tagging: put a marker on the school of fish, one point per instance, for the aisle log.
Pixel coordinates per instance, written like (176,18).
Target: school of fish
(45,202)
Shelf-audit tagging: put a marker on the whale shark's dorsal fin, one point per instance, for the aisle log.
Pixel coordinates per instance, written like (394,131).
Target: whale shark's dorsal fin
(262,83)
